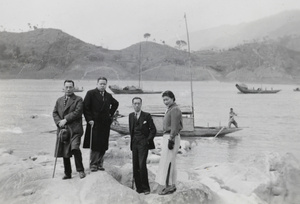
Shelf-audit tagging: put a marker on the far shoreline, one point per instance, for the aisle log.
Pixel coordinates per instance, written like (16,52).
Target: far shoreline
(295,82)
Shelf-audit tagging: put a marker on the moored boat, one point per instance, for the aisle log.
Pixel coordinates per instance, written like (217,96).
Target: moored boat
(243,88)
(77,89)
(189,128)
(130,90)
(188,131)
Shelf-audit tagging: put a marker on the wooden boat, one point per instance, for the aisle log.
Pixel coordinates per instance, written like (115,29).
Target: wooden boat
(196,131)
(130,90)
(244,89)
(77,89)
(296,89)
(189,128)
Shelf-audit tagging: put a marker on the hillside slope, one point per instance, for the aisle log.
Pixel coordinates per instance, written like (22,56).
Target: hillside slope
(283,24)
(53,54)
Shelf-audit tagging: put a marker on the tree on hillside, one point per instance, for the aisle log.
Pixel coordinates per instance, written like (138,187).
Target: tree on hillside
(180,44)
(2,50)
(147,35)
(16,51)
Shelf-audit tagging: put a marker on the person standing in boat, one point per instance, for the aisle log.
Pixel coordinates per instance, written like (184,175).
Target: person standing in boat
(142,132)
(172,124)
(99,107)
(231,118)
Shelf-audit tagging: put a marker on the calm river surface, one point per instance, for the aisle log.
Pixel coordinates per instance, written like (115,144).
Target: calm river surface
(270,121)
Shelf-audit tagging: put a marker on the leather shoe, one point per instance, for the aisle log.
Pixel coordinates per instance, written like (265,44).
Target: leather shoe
(93,168)
(81,174)
(66,177)
(147,192)
(101,168)
(139,191)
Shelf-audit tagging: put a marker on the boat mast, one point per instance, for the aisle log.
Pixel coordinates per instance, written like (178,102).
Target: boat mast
(191,74)
(140,64)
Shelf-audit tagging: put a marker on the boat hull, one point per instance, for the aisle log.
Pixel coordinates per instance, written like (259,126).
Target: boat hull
(245,90)
(197,132)
(76,90)
(133,91)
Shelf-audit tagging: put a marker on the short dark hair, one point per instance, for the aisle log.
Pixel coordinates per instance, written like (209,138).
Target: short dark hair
(169,94)
(137,98)
(70,81)
(102,78)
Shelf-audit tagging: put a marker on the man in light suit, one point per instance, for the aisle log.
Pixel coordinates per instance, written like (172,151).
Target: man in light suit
(67,114)
(142,132)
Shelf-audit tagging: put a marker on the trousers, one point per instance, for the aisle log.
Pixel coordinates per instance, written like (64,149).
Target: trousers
(96,158)
(139,162)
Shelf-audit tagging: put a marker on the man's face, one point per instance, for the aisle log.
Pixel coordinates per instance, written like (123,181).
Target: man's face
(101,85)
(137,105)
(69,88)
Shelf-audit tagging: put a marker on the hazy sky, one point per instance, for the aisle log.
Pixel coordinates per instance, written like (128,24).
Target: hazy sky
(116,24)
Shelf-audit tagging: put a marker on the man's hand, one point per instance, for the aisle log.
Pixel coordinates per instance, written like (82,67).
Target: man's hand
(62,123)
(91,122)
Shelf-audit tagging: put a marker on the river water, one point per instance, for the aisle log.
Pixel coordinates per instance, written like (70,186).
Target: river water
(270,121)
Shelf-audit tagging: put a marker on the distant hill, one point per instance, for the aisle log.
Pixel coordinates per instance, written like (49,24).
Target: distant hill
(267,61)
(53,54)
(223,37)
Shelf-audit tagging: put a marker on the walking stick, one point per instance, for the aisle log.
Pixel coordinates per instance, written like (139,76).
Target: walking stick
(56,151)
(132,183)
(91,141)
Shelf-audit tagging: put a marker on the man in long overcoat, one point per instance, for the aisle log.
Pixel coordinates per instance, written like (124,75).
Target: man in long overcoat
(142,132)
(67,114)
(98,109)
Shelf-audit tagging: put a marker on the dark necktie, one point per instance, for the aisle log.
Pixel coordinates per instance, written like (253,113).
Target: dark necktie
(135,118)
(102,94)
(65,101)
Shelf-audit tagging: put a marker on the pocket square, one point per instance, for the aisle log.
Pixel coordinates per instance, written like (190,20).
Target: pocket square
(144,122)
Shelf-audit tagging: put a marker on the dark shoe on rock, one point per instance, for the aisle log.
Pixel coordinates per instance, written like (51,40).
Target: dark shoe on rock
(81,174)
(93,168)
(139,191)
(168,190)
(101,168)
(147,192)
(66,177)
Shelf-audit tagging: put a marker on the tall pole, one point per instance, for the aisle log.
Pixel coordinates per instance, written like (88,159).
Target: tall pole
(140,64)
(191,72)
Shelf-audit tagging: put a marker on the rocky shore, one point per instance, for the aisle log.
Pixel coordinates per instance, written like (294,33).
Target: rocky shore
(267,178)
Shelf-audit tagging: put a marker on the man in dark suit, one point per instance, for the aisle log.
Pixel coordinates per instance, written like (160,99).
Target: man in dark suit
(98,109)
(67,114)
(142,132)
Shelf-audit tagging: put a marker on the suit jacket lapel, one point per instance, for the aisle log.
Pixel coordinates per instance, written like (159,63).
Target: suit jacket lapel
(141,118)
(61,106)
(69,102)
(98,95)
(131,122)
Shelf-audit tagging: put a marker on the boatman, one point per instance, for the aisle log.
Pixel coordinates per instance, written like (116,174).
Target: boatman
(67,115)
(98,109)
(231,118)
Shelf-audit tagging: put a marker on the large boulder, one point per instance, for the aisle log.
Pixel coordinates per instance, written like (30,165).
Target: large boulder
(284,183)
(187,192)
